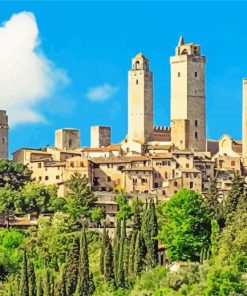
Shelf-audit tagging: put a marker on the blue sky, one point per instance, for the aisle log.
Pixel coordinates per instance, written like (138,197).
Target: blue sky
(88,47)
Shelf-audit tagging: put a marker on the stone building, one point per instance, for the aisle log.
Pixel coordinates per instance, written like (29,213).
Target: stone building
(100,136)
(140,101)
(4,135)
(188,116)
(67,139)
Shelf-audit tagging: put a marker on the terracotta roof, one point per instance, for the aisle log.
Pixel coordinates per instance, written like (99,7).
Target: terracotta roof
(126,159)
(139,169)
(163,155)
(113,147)
(55,164)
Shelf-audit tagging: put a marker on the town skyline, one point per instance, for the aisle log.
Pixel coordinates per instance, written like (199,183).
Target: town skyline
(223,84)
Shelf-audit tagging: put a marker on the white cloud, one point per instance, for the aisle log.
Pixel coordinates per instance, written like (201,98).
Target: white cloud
(27,76)
(101,92)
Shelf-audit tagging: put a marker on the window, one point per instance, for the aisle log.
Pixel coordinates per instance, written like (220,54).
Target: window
(81,164)
(232,163)
(136,81)
(191,185)
(40,178)
(108,179)
(156,185)
(46,178)
(175,183)
(57,177)
(196,135)
(195,74)
(134,181)
(3,141)
(39,165)
(144,181)
(166,175)
(187,165)
(72,164)
(179,74)
(196,123)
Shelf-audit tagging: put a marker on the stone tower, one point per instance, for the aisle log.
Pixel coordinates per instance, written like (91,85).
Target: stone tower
(140,101)
(67,139)
(188,114)
(100,136)
(4,135)
(244,122)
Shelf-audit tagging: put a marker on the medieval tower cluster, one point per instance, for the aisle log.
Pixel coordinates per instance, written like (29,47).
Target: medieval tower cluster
(188,115)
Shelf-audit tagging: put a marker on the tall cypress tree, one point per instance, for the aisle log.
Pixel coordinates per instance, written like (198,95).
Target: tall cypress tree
(24,288)
(116,248)
(137,220)
(139,254)
(103,249)
(40,289)
(108,261)
(149,233)
(121,271)
(84,284)
(132,251)
(47,287)
(72,267)
(31,280)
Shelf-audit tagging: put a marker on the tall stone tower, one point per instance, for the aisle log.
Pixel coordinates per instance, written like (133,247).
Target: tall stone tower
(244,122)
(188,114)
(100,136)
(4,135)
(67,139)
(140,101)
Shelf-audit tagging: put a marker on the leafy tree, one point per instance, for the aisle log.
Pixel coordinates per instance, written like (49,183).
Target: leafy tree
(47,285)
(40,289)
(24,288)
(214,236)
(97,215)
(105,240)
(37,197)
(81,199)
(10,202)
(13,174)
(187,228)
(121,271)
(125,211)
(72,267)
(116,249)
(213,200)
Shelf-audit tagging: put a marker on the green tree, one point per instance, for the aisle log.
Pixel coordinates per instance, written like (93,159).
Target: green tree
(213,200)
(31,279)
(97,215)
(214,237)
(149,233)
(125,210)
(187,228)
(108,264)
(235,195)
(40,289)
(84,283)
(121,270)
(116,249)
(13,174)
(10,202)
(139,254)
(104,243)
(81,199)
(72,267)
(47,285)
(24,288)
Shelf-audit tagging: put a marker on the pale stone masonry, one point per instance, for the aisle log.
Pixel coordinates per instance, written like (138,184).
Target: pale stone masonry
(4,135)
(244,120)
(100,136)
(67,139)
(140,101)
(188,115)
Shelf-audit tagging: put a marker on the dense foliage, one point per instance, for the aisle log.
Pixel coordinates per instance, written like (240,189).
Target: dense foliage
(206,236)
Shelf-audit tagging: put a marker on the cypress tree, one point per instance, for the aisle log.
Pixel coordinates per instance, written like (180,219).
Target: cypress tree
(84,283)
(72,267)
(40,290)
(214,237)
(103,249)
(47,287)
(132,252)
(149,233)
(139,254)
(91,284)
(137,220)
(24,288)
(116,248)
(108,261)
(235,195)
(31,280)
(121,272)
(52,288)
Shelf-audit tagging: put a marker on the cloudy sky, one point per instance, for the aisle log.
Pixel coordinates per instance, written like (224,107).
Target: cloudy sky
(65,64)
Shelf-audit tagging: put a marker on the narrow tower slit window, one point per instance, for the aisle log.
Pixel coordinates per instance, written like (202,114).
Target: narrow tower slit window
(196,135)
(179,74)
(195,74)
(196,123)
(136,81)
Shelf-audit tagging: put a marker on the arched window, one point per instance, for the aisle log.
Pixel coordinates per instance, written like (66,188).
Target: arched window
(179,74)
(72,164)
(137,65)
(196,135)
(81,164)
(175,183)
(196,123)
(195,74)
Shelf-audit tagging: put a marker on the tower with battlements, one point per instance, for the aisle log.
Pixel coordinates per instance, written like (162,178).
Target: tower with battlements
(4,135)
(188,111)
(140,101)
